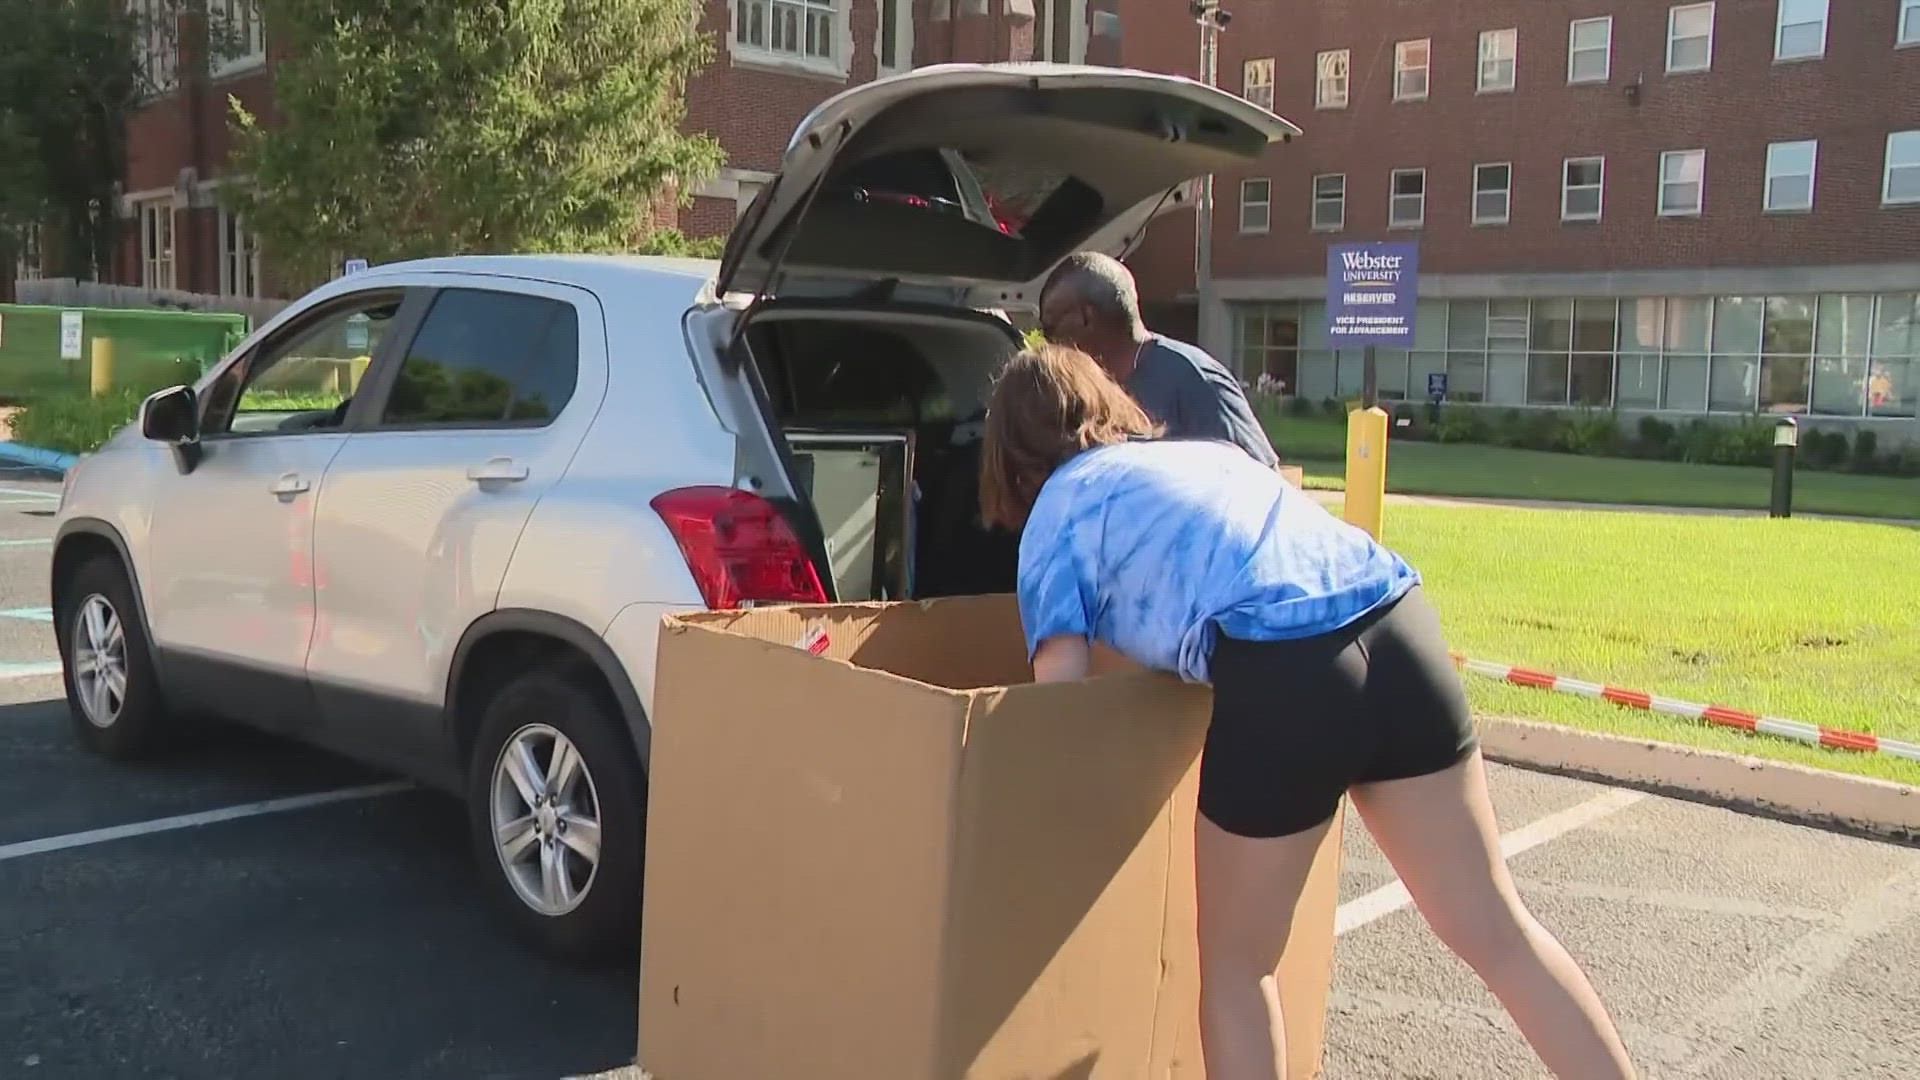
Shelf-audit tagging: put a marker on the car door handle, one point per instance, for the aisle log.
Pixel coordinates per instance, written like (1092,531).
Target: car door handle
(498,469)
(290,484)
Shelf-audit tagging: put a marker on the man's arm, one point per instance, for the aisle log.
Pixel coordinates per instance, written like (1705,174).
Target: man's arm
(1062,658)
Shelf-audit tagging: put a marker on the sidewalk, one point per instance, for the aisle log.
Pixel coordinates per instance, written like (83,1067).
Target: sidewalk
(1333,498)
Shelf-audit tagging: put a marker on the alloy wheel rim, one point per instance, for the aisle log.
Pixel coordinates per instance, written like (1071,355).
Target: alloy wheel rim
(100,661)
(545,818)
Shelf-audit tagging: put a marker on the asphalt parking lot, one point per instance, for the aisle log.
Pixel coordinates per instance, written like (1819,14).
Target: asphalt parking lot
(248,908)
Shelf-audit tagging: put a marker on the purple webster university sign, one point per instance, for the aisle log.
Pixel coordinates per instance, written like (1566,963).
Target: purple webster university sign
(1371,290)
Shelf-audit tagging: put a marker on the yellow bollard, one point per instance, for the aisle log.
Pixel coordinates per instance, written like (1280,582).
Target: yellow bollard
(1366,496)
(102,382)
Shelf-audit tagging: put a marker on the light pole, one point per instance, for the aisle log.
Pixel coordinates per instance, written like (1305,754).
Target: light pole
(1211,19)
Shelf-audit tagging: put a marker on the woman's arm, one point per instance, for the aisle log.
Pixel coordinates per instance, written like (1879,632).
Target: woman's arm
(1062,658)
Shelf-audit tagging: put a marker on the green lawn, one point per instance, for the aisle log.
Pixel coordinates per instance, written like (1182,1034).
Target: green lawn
(1421,468)
(1809,620)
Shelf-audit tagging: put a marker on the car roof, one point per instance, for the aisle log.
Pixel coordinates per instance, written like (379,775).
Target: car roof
(597,273)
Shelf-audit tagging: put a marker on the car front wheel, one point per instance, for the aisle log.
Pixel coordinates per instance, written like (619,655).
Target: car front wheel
(556,802)
(112,694)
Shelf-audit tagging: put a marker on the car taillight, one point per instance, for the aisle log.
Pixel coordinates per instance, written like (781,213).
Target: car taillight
(739,547)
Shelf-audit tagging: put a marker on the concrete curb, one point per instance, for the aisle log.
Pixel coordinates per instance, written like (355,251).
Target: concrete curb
(50,460)
(1851,804)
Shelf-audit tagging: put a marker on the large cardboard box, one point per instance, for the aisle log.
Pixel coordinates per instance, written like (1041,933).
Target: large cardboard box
(877,851)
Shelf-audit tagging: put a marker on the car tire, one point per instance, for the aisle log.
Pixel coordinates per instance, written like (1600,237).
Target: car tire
(533,854)
(113,695)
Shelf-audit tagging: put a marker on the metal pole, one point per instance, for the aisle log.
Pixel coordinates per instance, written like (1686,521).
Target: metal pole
(1203,241)
(1786,442)
(1369,380)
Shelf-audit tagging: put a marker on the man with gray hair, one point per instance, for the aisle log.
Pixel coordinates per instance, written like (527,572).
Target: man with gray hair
(1091,303)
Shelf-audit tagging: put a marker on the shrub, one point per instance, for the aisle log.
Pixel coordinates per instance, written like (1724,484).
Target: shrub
(1589,431)
(1866,446)
(1334,407)
(1300,407)
(74,423)
(1463,426)
(1658,439)
(1823,450)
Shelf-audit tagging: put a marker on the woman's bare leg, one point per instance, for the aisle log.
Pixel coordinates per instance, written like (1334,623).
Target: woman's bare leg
(1439,833)
(1247,890)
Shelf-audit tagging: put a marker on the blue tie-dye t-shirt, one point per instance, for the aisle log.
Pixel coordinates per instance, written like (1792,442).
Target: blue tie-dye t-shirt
(1153,547)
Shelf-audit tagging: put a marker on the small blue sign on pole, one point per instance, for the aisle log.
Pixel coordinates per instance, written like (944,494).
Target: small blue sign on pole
(1371,291)
(1436,385)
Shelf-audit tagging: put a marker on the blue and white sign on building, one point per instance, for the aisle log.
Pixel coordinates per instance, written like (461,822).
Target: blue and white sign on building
(1370,294)
(1436,384)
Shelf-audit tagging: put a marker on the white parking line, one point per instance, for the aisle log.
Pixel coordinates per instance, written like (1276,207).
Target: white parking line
(26,543)
(53,495)
(1388,899)
(41,670)
(204,817)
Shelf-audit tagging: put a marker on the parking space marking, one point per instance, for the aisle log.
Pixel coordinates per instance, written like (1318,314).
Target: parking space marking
(53,495)
(28,671)
(41,542)
(204,817)
(34,614)
(1388,899)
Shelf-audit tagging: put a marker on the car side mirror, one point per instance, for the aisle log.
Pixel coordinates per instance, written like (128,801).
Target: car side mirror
(171,416)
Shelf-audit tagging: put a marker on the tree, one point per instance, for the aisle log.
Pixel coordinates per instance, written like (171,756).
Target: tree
(423,127)
(70,76)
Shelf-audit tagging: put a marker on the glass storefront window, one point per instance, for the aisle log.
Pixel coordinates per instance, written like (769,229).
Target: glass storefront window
(1390,374)
(1735,382)
(1590,381)
(1507,378)
(1467,325)
(1896,326)
(1593,326)
(1639,380)
(1840,386)
(1688,319)
(1351,370)
(1643,324)
(1737,324)
(1430,325)
(1783,384)
(1421,365)
(1467,376)
(1892,387)
(1789,329)
(1845,325)
(1547,378)
(1553,326)
(1313,325)
(1316,375)
(1686,384)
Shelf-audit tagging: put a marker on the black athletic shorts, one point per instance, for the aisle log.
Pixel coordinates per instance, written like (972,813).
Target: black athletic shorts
(1295,723)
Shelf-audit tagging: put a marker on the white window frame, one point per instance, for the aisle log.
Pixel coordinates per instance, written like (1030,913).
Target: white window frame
(1511,36)
(1506,205)
(1773,173)
(1567,189)
(1263,206)
(157,266)
(1909,13)
(802,12)
(1332,70)
(1394,197)
(1574,51)
(1780,25)
(1673,27)
(1256,82)
(1700,199)
(1339,200)
(902,36)
(239,266)
(1909,141)
(1402,68)
(243,22)
(158,45)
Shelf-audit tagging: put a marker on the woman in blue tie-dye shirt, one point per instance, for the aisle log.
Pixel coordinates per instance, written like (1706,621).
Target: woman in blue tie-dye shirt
(1329,676)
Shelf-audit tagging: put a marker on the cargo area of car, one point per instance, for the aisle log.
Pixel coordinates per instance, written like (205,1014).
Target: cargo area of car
(883,412)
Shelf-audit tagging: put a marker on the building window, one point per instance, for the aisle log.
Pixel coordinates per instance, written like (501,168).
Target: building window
(803,30)
(893,39)
(1492,194)
(1908,32)
(1893,370)
(30,265)
(1407,209)
(1330,202)
(156,243)
(1689,38)
(1256,206)
(157,32)
(1059,30)
(1790,168)
(1410,68)
(1800,30)
(1256,82)
(238,37)
(1590,50)
(239,257)
(1330,80)
(1498,52)
(1583,187)
(1683,181)
(1267,339)
(1900,180)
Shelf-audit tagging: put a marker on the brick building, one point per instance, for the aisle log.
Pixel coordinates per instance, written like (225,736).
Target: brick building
(774,61)
(1668,207)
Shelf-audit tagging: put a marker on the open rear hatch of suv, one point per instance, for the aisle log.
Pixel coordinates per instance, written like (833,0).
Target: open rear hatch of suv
(904,211)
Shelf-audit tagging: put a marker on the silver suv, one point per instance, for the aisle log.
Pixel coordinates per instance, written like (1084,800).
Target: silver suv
(430,516)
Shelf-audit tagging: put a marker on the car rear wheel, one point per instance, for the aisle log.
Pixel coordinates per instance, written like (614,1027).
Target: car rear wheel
(557,803)
(112,695)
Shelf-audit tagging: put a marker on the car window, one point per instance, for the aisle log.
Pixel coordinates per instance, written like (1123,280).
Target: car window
(302,379)
(484,358)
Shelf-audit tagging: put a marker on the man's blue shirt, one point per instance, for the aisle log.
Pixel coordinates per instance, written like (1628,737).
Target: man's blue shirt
(1152,547)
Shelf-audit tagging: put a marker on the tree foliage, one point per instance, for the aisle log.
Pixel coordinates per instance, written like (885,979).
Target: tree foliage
(407,128)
